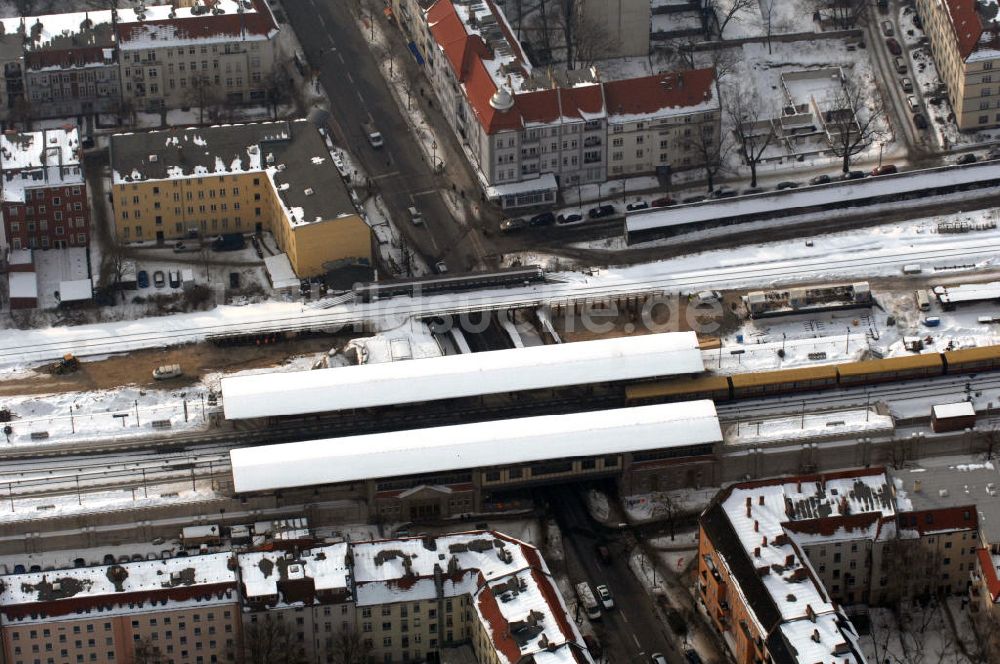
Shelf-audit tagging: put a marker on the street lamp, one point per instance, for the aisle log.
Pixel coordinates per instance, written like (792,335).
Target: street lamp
(881,145)
(434,149)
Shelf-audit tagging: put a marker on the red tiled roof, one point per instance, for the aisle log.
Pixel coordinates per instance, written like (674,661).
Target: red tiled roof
(989,573)
(649,94)
(258,22)
(966,24)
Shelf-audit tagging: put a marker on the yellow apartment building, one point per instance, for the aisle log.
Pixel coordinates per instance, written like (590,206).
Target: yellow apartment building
(203,182)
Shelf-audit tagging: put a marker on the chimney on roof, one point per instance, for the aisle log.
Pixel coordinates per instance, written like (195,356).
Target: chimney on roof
(756,526)
(810,613)
(815,635)
(789,560)
(760,499)
(756,552)
(764,541)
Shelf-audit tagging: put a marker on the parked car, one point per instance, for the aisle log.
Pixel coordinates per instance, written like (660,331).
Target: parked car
(894,46)
(20,569)
(692,656)
(641,205)
(604,553)
(142,279)
(109,559)
(885,169)
(887,28)
(167,371)
(607,601)
(707,296)
(440,267)
(920,121)
(853,175)
(542,219)
(185,247)
(601,211)
(415,216)
(512,225)
(159,280)
(658,658)
(723,192)
(820,179)
(229,242)
(662,202)
(35,568)
(900,64)
(913,104)
(967,158)
(787,185)
(571,218)
(693,199)
(906,84)
(79,562)
(174,276)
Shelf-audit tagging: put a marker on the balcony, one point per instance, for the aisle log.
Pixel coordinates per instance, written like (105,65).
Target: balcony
(592,141)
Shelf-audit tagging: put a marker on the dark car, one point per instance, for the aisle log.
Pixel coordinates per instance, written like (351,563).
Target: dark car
(693,199)
(786,185)
(723,193)
(512,225)
(967,158)
(601,211)
(19,569)
(79,562)
(543,219)
(885,169)
(692,656)
(604,553)
(920,121)
(109,559)
(853,175)
(663,202)
(820,179)
(142,279)
(35,568)
(174,277)
(894,46)
(632,207)
(569,218)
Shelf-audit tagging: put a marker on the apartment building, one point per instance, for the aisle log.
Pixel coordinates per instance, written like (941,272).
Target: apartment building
(531,132)
(310,591)
(272,176)
(779,558)
(211,52)
(43,193)
(187,609)
(965,43)
(415,596)
(186,53)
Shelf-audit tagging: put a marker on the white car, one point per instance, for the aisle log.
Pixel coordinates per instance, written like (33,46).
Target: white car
(607,601)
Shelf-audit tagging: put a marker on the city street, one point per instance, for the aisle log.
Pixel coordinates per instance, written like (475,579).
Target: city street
(632,631)
(358,94)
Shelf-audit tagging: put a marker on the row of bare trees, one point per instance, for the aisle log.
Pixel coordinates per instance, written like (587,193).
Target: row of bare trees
(272,642)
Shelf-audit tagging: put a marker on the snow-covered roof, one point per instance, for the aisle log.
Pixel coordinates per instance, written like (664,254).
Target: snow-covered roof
(19,257)
(325,567)
(451,376)
(960,409)
(968,292)
(512,590)
(812,196)
(35,159)
(771,521)
(137,581)
(477,445)
(544,182)
(78,290)
(951,482)
(280,272)
(23,285)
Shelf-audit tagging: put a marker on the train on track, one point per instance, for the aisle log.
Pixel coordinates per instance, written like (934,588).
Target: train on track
(808,379)
(503,278)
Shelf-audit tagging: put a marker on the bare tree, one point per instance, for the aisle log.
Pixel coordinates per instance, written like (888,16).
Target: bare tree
(709,150)
(989,441)
(201,93)
(844,14)
(593,42)
(752,125)
(852,119)
(268,641)
(113,265)
(147,653)
(349,648)
(728,13)
(279,91)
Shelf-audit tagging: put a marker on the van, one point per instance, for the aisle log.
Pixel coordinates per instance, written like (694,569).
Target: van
(923,302)
(913,268)
(167,371)
(415,216)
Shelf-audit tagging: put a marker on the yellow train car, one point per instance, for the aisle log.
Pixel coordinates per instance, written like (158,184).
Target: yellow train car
(680,389)
(764,383)
(888,370)
(969,360)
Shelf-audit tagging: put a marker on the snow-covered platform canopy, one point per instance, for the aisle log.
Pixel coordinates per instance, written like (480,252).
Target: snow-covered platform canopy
(452,376)
(477,445)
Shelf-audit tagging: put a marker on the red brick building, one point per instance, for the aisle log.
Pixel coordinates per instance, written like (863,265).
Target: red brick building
(44,193)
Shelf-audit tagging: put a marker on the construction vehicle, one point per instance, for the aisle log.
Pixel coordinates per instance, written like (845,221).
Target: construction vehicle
(66,365)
